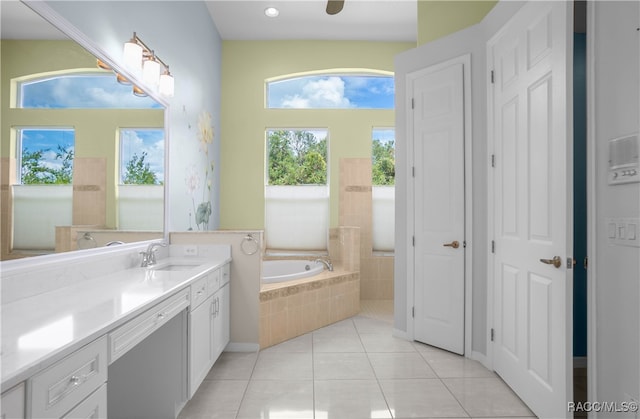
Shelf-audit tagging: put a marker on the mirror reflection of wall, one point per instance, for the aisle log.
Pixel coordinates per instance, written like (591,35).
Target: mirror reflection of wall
(80,153)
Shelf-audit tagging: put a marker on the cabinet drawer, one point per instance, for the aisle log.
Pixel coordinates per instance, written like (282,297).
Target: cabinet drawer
(93,407)
(199,291)
(63,385)
(130,334)
(214,281)
(225,274)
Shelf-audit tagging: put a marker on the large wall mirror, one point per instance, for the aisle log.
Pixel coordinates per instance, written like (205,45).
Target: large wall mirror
(83,156)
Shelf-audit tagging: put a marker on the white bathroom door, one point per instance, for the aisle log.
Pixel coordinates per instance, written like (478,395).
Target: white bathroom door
(439,245)
(532,183)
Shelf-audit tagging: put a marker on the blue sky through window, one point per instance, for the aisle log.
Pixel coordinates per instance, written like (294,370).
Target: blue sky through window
(332,92)
(88,91)
(48,140)
(138,141)
(81,91)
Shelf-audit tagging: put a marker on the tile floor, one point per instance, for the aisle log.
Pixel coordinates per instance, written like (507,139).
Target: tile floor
(354,369)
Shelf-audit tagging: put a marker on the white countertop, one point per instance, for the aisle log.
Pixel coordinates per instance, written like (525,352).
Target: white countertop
(39,330)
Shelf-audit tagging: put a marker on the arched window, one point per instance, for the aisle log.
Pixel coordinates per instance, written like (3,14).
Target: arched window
(332,91)
(78,90)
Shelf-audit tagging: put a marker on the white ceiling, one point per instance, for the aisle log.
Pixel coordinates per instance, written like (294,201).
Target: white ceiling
(368,20)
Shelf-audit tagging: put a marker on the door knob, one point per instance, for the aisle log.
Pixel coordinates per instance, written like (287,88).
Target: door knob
(455,244)
(556,261)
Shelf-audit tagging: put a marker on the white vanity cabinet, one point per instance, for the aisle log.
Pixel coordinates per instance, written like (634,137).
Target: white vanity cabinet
(200,343)
(12,403)
(72,383)
(208,325)
(221,314)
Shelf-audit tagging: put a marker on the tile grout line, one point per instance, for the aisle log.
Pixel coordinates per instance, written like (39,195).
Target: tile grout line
(386,402)
(244,393)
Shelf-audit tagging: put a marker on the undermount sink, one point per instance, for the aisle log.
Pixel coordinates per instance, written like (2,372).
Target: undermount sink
(173,267)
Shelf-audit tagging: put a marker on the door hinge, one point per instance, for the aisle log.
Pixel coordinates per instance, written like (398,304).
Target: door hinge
(413,312)
(413,241)
(492,334)
(413,103)
(493,246)
(585,263)
(493,160)
(413,171)
(492,77)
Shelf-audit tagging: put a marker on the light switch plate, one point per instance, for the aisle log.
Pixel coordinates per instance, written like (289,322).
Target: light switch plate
(623,231)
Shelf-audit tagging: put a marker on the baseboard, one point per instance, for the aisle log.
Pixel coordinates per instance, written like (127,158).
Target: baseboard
(481,358)
(242,347)
(401,334)
(579,362)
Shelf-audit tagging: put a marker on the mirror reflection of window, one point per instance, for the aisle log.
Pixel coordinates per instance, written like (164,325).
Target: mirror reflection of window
(140,192)
(45,174)
(45,155)
(79,89)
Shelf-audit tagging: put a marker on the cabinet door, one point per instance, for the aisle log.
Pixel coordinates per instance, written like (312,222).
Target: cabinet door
(12,403)
(200,344)
(221,320)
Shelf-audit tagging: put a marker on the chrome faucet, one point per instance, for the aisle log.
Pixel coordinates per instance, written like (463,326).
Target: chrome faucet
(149,256)
(326,262)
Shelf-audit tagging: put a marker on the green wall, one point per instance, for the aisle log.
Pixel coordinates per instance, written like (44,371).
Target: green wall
(95,129)
(440,18)
(246,65)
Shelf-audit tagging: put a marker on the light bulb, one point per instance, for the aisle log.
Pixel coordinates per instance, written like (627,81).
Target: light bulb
(151,72)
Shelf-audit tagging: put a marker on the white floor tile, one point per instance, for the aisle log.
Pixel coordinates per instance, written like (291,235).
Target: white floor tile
(277,399)
(341,366)
(299,344)
(233,366)
(353,369)
(325,342)
(283,366)
(400,365)
(486,397)
(385,343)
(420,398)
(352,399)
(215,399)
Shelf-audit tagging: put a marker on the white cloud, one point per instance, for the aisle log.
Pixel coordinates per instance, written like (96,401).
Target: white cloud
(322,93)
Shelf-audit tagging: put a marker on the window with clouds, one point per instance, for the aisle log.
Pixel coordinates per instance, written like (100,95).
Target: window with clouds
(80,91)
(332,91)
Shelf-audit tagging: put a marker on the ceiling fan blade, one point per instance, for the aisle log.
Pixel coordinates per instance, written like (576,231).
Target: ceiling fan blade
(334,6)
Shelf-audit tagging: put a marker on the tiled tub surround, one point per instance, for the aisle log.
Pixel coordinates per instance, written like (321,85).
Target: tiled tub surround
(91,293)
(355,209)
(290,309)
(300,306)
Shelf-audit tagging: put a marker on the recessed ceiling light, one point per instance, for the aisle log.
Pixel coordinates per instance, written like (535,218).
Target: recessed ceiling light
(271,12)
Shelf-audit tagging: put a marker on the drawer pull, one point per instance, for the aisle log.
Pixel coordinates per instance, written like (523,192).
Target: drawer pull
(160,316)
(75,380)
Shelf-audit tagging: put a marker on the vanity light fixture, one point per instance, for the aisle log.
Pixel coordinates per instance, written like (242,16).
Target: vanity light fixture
(102,65)
(151,71)
(122,79)
(138,91)
(142,60)
(271,12)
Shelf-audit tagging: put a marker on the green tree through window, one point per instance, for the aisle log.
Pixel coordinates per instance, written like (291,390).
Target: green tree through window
(35,169)
(138,172)
(297,157)
(383,159)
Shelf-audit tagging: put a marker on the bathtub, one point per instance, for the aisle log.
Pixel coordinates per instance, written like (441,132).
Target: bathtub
(287,270)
